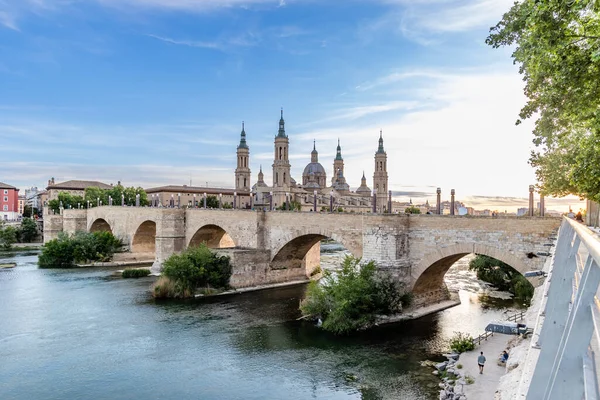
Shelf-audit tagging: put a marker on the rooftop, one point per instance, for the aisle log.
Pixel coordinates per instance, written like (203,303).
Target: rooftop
(79,185)
(6,186)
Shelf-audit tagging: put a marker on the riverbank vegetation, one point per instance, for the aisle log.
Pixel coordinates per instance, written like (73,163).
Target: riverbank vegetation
(24,233)
(502,276)
(135,272)
(354,297)
(81,247)
(461,342)
(194,268)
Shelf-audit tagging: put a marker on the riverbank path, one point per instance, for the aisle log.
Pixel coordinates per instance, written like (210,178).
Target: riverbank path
(485,384)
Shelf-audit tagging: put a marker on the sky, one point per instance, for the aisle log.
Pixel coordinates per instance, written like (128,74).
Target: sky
(154,92)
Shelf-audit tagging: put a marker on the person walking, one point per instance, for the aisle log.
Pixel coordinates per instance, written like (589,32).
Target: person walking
(481,362)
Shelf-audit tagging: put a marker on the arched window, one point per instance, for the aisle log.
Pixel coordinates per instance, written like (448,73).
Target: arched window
(276,177)
(284,177)
(244,182)
(378,186)
(384,187)
(285,153)
(280,152)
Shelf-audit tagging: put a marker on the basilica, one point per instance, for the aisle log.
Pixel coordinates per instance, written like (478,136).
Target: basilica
(312,194)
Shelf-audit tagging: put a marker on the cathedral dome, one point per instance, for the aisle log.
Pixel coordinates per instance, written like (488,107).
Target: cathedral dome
(314,167)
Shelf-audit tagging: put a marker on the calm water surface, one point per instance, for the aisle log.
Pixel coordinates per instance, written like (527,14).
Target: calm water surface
(84,334)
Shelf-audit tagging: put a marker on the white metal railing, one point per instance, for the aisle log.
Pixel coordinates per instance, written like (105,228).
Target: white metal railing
(570,333)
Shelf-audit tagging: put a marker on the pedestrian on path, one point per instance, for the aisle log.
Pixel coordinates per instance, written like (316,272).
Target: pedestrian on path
(481,362)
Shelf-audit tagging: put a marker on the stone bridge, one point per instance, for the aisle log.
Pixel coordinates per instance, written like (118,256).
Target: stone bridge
(272,247)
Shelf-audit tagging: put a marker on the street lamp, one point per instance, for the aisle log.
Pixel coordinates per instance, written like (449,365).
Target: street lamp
(270,201)
(205,201)
(220,200)
(234,199)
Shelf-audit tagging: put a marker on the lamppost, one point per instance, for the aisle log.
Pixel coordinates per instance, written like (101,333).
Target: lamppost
(195,204)
(287,202)
(452,193)
(531,189)
(178,200)
(390,202)
(88,204)
(205,201)
(172,202)
(137,200)
(270,201)
(122,200)
(314,201)
(439,201)
(234,199)
(220,200)
(98,201)
(110,201)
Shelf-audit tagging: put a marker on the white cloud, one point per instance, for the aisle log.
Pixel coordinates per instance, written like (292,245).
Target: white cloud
(190,43)
(9,20)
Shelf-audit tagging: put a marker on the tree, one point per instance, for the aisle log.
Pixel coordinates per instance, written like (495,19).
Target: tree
(211,202)
(502,276)
(27,211)
(557,47)
(28,230)
(8,236)
(353,298)
(67,200)
(293,206)
(412,210)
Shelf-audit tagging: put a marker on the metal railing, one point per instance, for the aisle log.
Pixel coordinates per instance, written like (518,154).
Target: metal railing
(483,336)
(569,335)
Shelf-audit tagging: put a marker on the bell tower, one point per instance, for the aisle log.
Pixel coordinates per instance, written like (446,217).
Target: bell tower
(281,163)
(242,172)
(380,177)
(338,164)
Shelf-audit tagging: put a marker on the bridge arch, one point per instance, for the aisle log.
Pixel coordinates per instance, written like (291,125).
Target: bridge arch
(213,235)
(144,238)
(428,276)
(100,225)
(302,251)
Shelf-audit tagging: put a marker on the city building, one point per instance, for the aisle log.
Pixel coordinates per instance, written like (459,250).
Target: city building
(9,202)
(313,191)
(73,187)
(21,207)
(31,195)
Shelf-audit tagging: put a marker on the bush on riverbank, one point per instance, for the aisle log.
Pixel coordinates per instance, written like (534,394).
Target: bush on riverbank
(135,273)
(81,247)
(461,342)
(195,267)
(353,298)
(502,276)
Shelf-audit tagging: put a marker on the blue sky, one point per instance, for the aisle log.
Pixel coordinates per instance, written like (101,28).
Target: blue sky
(153,92)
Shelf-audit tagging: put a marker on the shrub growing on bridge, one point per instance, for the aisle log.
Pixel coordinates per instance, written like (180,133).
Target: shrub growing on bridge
(352,299)
(81,247)
(193,268)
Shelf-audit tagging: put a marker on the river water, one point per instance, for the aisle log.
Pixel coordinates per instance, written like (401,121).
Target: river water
(85,334)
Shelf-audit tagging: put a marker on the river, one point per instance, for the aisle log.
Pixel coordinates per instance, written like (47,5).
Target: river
(85,334)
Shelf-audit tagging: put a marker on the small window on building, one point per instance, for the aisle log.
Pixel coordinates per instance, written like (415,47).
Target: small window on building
(6,198)
(5,191)
(5,208)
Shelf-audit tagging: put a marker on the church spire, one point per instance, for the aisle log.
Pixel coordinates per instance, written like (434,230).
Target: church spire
(338,155)
(314,155)
(380,149)
(243,144)
(281,132)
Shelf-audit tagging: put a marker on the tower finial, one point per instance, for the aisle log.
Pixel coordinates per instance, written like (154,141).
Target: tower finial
(381,133)
(281,112)
(242,125)
(314,144)
(380,149)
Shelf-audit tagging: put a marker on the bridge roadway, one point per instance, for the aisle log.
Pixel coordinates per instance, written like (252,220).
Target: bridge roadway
(278,246)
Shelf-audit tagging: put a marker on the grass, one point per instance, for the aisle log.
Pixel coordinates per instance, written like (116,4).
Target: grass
(469,379)
(135,273)
(459,366)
